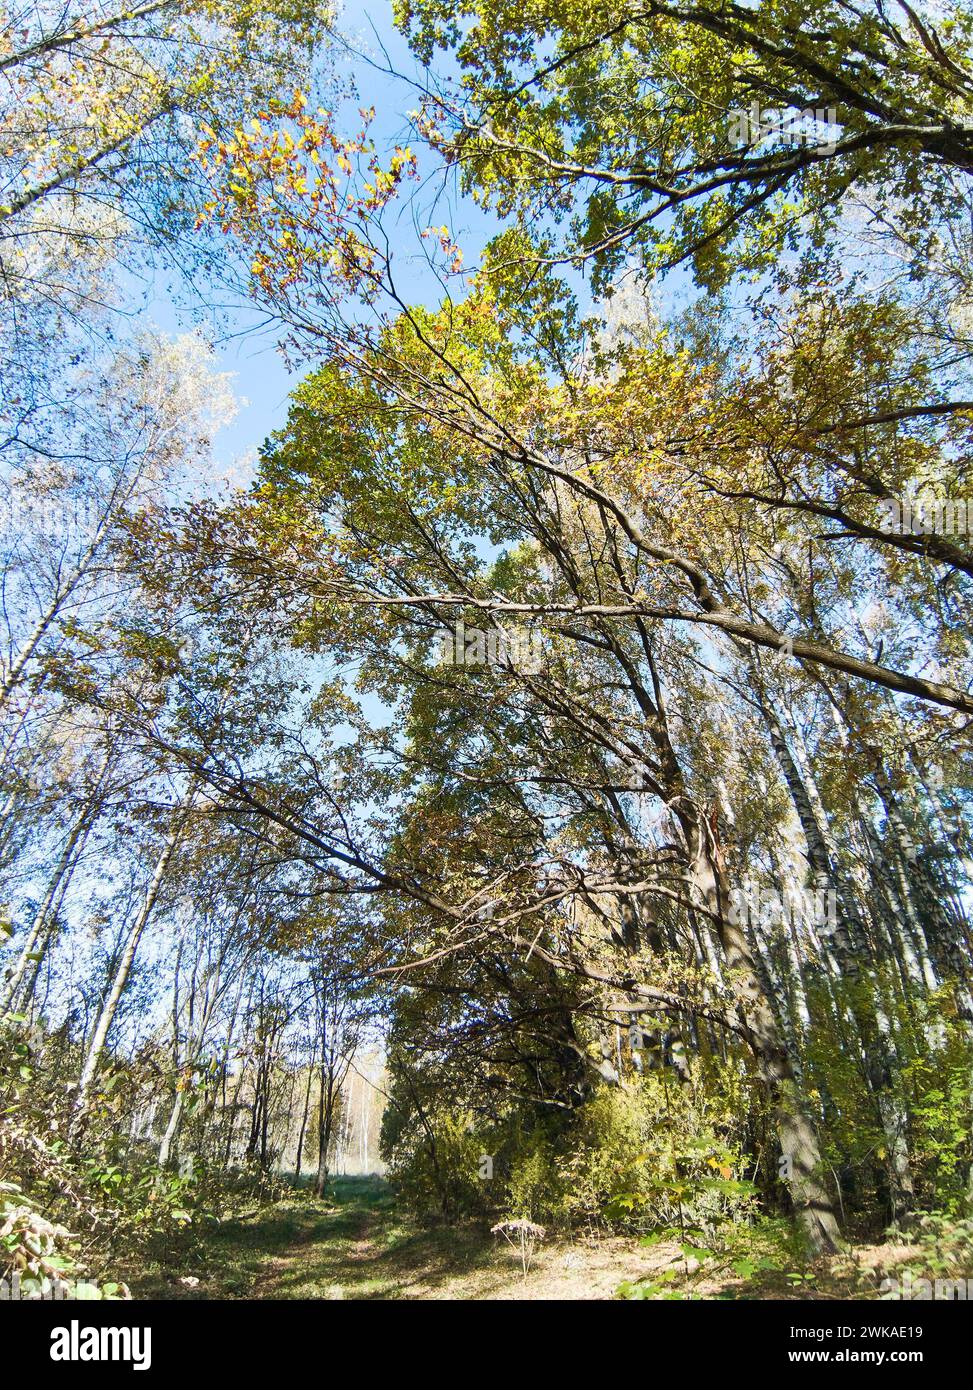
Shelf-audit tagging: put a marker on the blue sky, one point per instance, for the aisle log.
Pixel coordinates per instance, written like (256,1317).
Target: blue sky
(249,350)
(245,346)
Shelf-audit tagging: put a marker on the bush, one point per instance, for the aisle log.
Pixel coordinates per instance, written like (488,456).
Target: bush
(535,1187)
(439,1174)
(650,1154)
(80,1202)
(658,1154)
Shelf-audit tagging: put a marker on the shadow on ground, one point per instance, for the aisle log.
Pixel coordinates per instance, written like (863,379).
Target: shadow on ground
(350,1244)
(356,1244)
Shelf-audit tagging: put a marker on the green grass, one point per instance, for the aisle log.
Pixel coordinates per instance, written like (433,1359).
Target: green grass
(356,1243)
(352,1243)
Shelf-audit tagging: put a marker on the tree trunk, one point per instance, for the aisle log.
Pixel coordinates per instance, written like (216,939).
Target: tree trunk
(849,945)
(303,1130)
(36,935)
(802,1164)
(168,1139)
(110,1006)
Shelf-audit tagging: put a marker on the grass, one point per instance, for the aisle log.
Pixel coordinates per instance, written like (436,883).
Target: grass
(355,1243)
(349,1244)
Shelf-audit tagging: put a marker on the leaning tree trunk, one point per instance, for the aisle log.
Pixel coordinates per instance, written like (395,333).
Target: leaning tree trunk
(37,933)
(303,1130)
(110,1007)
(848,943)
(803,1165)
(172,1128)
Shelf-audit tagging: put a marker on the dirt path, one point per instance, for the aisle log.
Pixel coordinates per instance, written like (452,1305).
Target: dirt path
(359,1246)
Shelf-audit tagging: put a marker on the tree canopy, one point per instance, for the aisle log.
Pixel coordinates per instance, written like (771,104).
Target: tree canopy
(572,708)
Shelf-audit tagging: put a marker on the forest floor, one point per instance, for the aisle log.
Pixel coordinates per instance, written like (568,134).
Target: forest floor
(356,1244)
